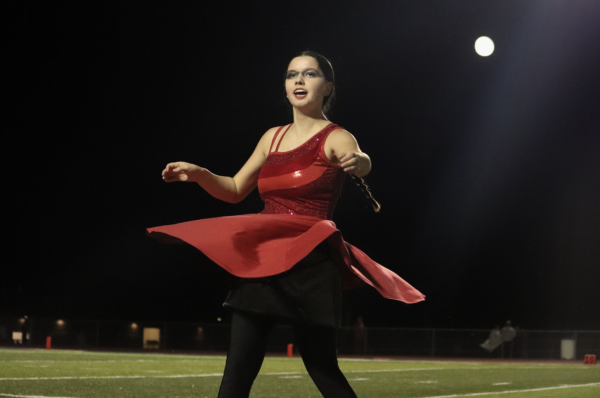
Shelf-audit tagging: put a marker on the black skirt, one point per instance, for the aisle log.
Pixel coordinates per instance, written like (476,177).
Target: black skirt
(309,292)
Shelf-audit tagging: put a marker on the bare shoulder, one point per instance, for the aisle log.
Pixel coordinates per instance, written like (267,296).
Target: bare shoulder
(342,135)
(270,133)
(341,140)
(265,141)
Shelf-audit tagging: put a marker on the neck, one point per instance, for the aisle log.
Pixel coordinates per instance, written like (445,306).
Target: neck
(305,122)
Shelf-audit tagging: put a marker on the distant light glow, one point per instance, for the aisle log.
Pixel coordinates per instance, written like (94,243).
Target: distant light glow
(134,326)
(484,46)
(60,322)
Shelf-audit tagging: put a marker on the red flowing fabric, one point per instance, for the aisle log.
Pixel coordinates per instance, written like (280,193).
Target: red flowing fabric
(260,245)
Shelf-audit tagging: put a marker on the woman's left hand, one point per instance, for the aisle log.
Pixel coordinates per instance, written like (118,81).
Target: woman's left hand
(357,163)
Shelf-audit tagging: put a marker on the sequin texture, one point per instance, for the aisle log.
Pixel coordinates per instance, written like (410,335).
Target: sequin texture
(302,181)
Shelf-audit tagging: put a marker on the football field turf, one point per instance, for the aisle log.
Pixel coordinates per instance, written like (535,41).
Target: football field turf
(36,373)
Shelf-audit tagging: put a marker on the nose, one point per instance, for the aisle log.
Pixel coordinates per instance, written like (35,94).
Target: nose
(299,79)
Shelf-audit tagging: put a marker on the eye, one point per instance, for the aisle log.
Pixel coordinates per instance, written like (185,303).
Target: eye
(291,75)
(310,73)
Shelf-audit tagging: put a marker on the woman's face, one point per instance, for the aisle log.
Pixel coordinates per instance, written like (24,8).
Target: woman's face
(305,84)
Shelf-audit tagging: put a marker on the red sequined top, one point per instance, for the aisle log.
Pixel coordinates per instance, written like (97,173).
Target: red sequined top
(302,181)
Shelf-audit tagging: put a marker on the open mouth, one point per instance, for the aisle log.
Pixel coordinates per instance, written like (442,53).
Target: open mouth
(300,93)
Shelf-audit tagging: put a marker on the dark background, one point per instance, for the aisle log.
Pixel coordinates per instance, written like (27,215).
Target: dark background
(488,169)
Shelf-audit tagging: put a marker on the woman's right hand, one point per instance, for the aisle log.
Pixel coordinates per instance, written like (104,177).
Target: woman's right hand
(181,171)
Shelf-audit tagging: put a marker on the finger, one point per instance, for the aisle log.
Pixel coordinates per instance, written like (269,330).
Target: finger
(167,172)
(176,166)
(168,168)
(350,162)
(347,156)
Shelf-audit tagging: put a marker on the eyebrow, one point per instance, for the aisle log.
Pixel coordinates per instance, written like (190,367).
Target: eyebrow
(305,70)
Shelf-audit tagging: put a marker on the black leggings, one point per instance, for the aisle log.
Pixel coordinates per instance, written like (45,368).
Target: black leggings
(249,337)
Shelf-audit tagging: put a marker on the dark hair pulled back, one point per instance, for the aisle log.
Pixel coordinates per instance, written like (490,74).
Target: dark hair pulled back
(367,195)
(327,70)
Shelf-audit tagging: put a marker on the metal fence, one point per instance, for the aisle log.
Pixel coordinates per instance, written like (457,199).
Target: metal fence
(368,341)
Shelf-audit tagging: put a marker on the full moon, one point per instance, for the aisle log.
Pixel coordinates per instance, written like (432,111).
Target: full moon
(484,46)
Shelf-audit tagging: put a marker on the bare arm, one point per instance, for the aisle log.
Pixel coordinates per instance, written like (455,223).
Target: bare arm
(341,147)
(229,189)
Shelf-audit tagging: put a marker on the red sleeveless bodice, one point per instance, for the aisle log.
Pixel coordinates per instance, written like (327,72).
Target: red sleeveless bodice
(302,181)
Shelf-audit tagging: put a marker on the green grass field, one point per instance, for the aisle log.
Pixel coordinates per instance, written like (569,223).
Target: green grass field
(36,373)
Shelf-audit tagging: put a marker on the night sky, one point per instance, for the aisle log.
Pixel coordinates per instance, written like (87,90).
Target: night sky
(487,168)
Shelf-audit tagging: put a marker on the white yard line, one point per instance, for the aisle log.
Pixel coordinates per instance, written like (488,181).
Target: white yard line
(403,370)
(110,377)
(221,374)
(456,361)
(478,394)
(468,362)
(282,374)
(29,396)
(200,375)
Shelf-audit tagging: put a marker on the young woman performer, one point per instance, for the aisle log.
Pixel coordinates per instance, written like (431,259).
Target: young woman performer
(289,262)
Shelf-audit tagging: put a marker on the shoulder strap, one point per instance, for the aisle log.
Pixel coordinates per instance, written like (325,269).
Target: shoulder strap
(326,133)
(275,137)
(282,135)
